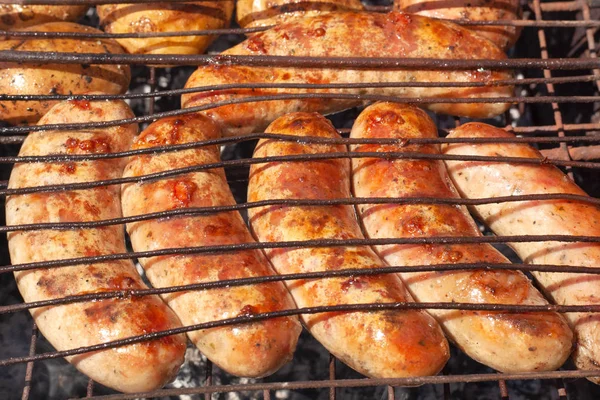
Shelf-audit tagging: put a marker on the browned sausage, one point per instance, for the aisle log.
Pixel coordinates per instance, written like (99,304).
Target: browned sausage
(254,350)
(45,79)
(504,36)
(550,217)
(395,35)
(508,342)
(251,13)
(15,16)
(132,368)
(378,344)
(166,17)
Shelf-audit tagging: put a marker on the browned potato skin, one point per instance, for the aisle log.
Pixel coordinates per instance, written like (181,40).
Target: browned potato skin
(166,17)
(251,13)
(16,78)
(386,344)
(251,350)
(507,342)
(132,368)
(549,217)
(382,35)
(471,10)
(15,16)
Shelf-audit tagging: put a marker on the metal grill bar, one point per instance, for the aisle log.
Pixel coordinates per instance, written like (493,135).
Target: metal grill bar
(354,383)
(370,307)
(332,393)
(550,87)
(196,211)
(360,85)
(90,389)
(290,96)
(355,97)
(404,142)
(244,31)
(517,130)
(286,277)
(29,369)
(300,157)
(296,61)
(208,378)
(292,244)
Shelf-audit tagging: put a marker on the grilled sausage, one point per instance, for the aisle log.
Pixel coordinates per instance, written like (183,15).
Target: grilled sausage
(21,78)
(508,342)
(252,13)
(132,368)
(561,217)
(503,36)
(253,350)
(391,343)
(166,17)
(15,16)
(383,35)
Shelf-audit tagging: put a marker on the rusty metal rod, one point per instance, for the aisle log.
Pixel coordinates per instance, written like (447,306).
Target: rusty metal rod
(298,244)
(38,57)
(199,211)
(129,293)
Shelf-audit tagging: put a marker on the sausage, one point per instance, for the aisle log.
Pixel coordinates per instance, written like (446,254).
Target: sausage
(165,17)
(252,13)
(44,79)
(383,35)
(561,217)
(15,16)
(507,342)
(132,368)
(394,343)
(504,36)
(251,350)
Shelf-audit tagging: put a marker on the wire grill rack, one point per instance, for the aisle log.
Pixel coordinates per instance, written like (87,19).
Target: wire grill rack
(572,143)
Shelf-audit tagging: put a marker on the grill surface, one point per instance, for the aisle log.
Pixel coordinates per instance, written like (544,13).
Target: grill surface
(557,108)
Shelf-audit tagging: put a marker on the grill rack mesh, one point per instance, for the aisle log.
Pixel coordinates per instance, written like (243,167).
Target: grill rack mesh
(562,156)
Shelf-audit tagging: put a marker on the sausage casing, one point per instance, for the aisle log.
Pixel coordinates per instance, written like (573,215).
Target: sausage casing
(504,36)
(166,17)
(132,368)
(392,35)
(253,350)
(540,217)
(392,343)
(251,13)
(48,78)
(508,342)
(15,16)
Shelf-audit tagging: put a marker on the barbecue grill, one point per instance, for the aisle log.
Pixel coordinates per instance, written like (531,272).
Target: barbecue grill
(556,107)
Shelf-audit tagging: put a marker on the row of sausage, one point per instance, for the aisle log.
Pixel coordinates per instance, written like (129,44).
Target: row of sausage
(231,94)
(386,343)
(196,16)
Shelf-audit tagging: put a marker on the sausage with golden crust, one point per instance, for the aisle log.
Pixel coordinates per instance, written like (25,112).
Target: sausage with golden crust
(507,342)
(252,13)
(15,16)
(252,350)
(166,17)
(392,343)
(539,217)
(395,35)
(504,36)
(48,78)
(132,368)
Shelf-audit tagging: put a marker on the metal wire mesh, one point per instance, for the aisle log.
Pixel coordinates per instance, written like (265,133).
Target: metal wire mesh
(561,140)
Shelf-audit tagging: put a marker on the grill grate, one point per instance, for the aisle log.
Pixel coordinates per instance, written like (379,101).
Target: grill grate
(559,132)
